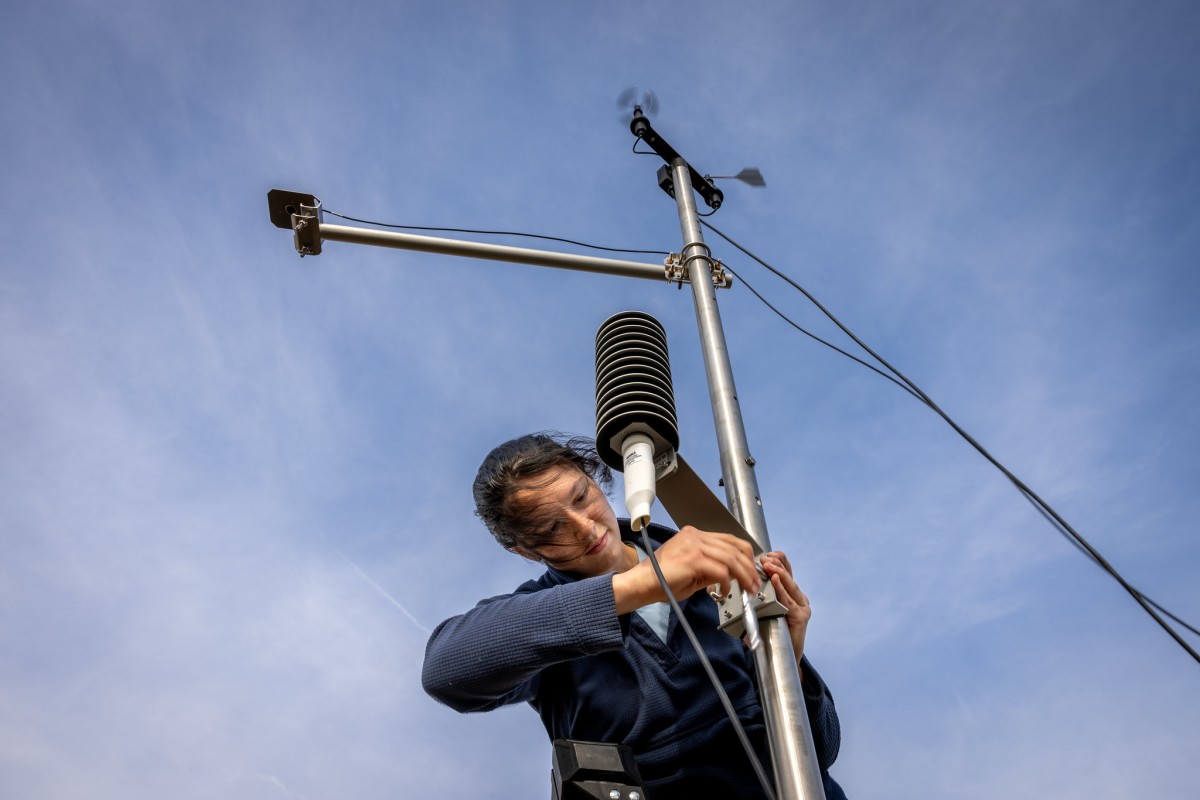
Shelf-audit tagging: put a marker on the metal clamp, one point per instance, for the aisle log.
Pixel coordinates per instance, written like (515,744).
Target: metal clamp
(666,464)
(677,270)
(732,612)
(306,229)
(721,278)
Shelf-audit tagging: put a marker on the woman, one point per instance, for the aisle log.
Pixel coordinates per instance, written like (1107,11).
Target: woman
(592,644)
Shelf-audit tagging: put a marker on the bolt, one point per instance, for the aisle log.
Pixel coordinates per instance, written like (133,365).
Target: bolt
(750,462)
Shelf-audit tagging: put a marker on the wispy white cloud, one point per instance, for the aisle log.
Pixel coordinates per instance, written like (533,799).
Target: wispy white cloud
(385,594)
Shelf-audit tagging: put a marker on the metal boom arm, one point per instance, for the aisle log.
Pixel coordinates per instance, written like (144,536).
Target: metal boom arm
(301,213)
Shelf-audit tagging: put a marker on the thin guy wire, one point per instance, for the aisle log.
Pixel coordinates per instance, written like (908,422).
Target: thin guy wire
(911,388)
(814,337)
(1032,495)
(1080,548)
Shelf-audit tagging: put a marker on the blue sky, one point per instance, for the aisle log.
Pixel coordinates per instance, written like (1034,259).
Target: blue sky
(234,486)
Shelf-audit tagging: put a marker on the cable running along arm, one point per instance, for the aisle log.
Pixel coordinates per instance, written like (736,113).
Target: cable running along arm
(1044,508)
(1060,525)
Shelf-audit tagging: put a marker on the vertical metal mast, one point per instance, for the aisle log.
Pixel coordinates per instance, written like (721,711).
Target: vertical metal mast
(797,774)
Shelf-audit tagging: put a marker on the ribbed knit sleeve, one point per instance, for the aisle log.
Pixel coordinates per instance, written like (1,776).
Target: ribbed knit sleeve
(822,715)
(490,656)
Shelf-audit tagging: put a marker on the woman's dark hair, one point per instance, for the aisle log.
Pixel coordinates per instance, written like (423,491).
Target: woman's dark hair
(510,467)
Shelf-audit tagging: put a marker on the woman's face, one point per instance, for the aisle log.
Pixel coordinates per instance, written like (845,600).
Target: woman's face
(573,524)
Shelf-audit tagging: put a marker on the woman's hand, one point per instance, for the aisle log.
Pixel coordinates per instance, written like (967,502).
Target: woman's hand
(779,570)
(691,560)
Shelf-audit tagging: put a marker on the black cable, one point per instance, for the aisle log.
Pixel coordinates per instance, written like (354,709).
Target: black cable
(1172,616)
(813,336)
(916,390)
(497,233)
(1080,548)
(637,152)
(1063,526)
(712,675)
(904,383)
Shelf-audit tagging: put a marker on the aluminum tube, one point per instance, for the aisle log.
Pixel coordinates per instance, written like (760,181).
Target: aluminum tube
(494,252)
(797,774)
(790,742)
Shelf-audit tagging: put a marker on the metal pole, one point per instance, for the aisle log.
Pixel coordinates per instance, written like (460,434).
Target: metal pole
(797,774)
(494,252)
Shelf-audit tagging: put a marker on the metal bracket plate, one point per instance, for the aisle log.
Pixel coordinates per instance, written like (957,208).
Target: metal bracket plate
(301,213)
(733,614)
(689,501)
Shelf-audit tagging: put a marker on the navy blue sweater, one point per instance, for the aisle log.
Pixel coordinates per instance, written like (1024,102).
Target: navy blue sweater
(558,644)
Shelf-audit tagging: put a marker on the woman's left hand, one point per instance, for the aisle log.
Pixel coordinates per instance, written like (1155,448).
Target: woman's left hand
(779,570)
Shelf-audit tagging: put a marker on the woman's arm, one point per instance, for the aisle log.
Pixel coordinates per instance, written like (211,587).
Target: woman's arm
(490,656)
(822,716)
